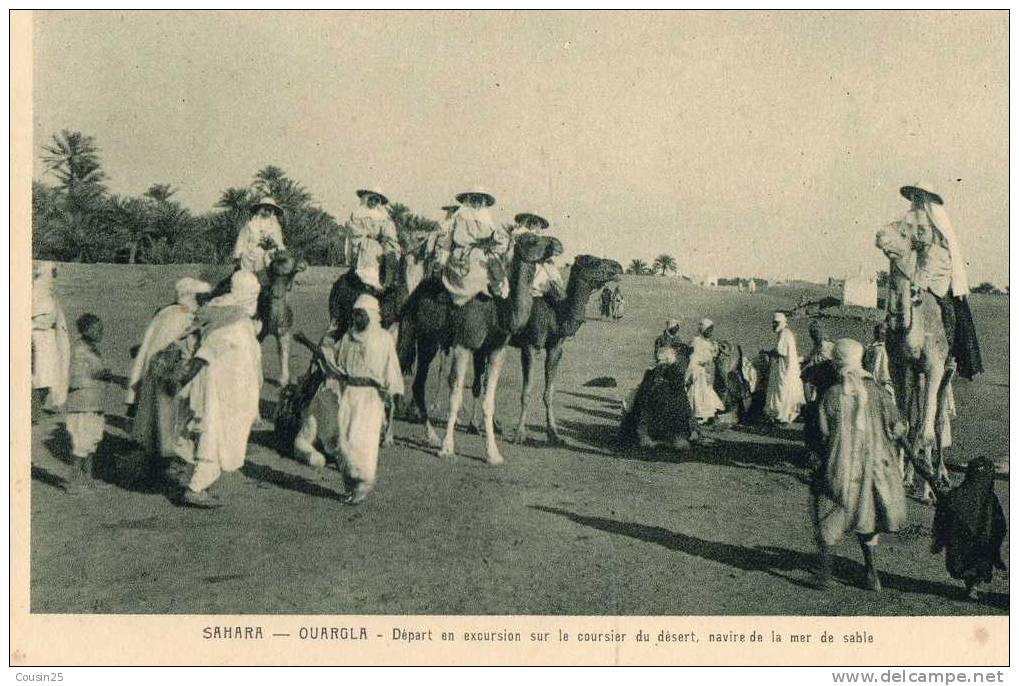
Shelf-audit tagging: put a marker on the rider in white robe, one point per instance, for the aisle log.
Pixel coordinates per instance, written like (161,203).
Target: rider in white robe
(372,234)
(250,251)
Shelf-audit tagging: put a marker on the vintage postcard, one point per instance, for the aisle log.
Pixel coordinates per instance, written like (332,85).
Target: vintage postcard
(509,337)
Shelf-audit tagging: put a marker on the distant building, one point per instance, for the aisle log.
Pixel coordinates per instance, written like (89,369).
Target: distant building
(860,290)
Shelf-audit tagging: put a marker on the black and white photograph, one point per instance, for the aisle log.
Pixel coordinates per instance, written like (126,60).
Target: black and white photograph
(519,313)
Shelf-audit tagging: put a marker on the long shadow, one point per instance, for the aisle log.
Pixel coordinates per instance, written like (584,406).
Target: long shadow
(590,396)
(49,478)
(122,463)
(290,482)
(600,414)
(769,559)
(59,443)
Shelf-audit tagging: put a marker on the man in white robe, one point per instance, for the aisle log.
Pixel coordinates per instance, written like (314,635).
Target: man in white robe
(372,234)
(785,388)
(700,375)
(260,238)
(51,346)
(224,383)
(158,416)
(822,352)
(367,370)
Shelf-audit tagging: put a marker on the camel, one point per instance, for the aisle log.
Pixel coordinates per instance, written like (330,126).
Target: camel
(479,331)
(548,328)
(274,311)
(919,358)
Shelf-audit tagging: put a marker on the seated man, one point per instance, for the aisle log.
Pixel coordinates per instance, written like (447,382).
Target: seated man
(658,411)
(547,279)
(476,249)
(372,235)
(670,338)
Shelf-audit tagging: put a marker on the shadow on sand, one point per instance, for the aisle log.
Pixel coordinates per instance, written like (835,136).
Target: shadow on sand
(771,560)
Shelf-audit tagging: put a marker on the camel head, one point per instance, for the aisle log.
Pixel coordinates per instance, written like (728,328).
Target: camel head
(596,271)
(533,248)
(284,264)
(895,240)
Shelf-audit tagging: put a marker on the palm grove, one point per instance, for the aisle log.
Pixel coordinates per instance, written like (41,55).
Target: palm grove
(77,218)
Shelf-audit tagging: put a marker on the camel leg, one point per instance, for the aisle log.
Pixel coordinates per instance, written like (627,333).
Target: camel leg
(939,426)
(553,356)
(526,359)
(495,362)
(476,416)
(283,346)
(387,435)
(461,358)
(426,352)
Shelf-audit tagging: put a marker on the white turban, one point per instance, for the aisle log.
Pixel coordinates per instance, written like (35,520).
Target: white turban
(705,324)
(366,302)
(187,286)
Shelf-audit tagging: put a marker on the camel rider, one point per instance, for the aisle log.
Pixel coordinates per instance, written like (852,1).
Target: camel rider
(260,238)
(372,235)
(438,242)
(547,279)
(941,270)
(475,250)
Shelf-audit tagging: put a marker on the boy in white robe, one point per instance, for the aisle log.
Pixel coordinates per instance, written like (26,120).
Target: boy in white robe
(51,345)
(157,415)
(700,375)
(224,380)
(368,370)
(785,388)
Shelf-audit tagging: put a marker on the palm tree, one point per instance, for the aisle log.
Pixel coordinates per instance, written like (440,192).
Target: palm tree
(638,267)
(235,200)
(664,264)
(160,192)
(74,159)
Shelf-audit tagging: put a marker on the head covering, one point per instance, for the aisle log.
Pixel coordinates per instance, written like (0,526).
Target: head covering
(671,324)
(366,302)
(525,217)
(374,190)
(476,190)
(705,324)
(919,192)
(269,202)
(188,286)
(450,208)
(849,362)
(939,218)
(780,319)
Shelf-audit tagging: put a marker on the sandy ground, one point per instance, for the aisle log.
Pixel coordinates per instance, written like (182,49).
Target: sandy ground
(589,529)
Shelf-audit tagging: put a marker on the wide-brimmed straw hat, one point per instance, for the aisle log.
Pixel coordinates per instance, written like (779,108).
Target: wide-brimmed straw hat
(476,190)
(920,190)
(374,190)
(524,217)
(267,202)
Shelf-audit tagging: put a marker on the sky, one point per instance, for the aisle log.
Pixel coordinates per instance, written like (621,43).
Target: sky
(767,144)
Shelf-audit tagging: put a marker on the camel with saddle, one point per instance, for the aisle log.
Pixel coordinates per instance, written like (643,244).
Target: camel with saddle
(920,360)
